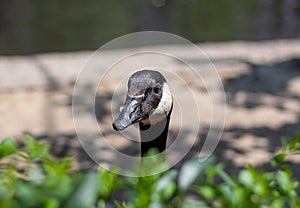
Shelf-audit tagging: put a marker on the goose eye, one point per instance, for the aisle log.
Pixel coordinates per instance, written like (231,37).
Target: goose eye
(156,90)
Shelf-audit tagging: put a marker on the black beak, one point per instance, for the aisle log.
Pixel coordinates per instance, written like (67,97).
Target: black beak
(130,114)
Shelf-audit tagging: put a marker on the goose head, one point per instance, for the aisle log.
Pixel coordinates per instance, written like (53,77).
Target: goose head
(148,100)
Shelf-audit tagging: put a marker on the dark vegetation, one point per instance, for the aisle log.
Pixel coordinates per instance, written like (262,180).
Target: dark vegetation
(30,176)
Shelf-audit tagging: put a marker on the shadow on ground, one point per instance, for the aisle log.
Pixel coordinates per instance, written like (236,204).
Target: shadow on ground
(261,81)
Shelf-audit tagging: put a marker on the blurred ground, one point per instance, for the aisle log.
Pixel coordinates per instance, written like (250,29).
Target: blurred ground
(261,81)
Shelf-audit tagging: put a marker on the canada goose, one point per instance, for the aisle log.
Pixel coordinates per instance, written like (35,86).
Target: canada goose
(149,102)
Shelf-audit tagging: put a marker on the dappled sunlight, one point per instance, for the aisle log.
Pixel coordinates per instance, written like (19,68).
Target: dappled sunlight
(257,114)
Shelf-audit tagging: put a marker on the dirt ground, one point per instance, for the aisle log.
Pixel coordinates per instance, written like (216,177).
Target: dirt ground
(261,82)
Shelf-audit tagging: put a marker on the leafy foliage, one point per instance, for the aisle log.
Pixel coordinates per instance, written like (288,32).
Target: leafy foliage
(31,177)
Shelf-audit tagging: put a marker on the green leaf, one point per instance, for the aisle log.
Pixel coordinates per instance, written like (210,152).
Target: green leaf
(228,180)
(7,147)
(190,171)
(279,158)
(51,203)
(283,143)
(246,178)
(117,203)
(165,180)
(35,150)
(85,195)
(294,143)
(108,182)
(27,194)
(284,180)
(152,163)
(165,187)
(207,191)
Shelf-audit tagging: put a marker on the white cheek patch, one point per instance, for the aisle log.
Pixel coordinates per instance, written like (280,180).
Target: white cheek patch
(163,107)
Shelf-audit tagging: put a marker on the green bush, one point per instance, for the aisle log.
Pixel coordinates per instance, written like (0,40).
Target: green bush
(31,177)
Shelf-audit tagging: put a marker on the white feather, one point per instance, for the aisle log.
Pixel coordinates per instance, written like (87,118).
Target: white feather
(163,107)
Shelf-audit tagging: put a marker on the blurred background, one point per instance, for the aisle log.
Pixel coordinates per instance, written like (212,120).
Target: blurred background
(30,26)
(254,44)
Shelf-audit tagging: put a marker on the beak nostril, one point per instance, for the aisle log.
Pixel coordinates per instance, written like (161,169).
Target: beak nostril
(133,111)
(115,127)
